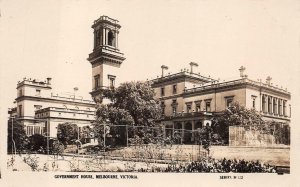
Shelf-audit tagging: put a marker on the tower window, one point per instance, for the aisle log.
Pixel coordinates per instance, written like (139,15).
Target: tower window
(20,110)
(111,38)
(20,92)
(112,79)
(98,37)
(97,81)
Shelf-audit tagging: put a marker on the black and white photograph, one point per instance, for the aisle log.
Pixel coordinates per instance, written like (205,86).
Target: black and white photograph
(177,93)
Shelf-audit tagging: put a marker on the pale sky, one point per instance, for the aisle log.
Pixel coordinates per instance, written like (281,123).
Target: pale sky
(53,38)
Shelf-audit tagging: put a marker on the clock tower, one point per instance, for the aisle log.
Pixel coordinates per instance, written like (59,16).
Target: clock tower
(106,57)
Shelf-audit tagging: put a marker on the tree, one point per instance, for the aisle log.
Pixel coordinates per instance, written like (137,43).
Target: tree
(67,133)
(56,148)
(237,115)
(281,132)
(20,138)
(133,105)
(38,143)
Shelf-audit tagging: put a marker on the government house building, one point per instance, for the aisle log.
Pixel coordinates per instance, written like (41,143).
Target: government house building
(190,100)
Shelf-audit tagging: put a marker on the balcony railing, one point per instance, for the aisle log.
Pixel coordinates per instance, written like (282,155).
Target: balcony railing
(232,83)
(188,114)
(183,73)
(106,18)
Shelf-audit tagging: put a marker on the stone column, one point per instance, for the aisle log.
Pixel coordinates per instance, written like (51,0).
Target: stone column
(193,128)
(95,36)
(266,103)
(117,40)
(262,102)
(182,132)
(268,108)
(271,108)
(104,36)
(173,131)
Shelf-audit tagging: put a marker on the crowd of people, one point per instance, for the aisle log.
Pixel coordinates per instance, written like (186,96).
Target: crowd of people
(216,166)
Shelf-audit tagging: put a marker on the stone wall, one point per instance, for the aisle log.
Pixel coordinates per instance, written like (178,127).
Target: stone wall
(239,136)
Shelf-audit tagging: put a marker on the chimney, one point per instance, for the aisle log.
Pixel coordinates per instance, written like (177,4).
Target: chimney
(163,67)
(268,80)
(242,70)
(192,64)
(49,80)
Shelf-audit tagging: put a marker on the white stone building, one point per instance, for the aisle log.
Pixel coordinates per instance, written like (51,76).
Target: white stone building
(41,111)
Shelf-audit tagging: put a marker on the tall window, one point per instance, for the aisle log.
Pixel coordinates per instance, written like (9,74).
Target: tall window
(284,108)
(162,104)
(229,101)
(198,106)
(37,92)
(264,103)
(253,97)
(174,106)
(275,106)
(37,130)
(188,107)
(97,81)
(279,107)
(162,91)
(20,110)
(269,105)
(112,83)
(37,107)
(207,105)
(29,130)
(174,109)
(174,89)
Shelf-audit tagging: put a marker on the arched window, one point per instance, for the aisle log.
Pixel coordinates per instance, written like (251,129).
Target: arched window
(111,38)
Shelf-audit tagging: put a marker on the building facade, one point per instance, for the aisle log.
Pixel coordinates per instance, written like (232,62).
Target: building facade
(41,111)
(190,100)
